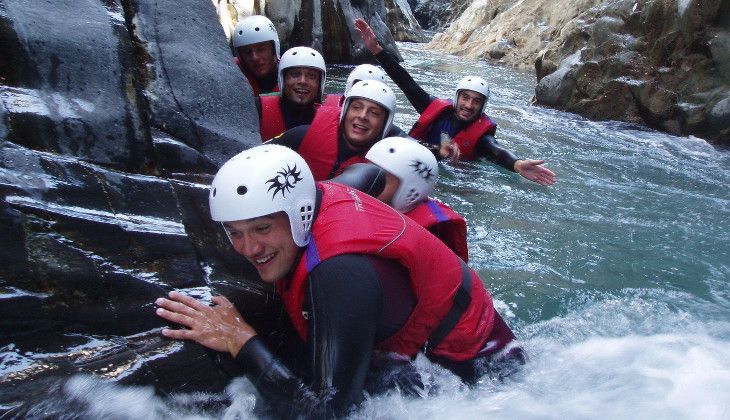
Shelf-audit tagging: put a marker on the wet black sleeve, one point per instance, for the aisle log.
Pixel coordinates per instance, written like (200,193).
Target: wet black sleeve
(488,148)
(366,177)
(344,302)
(418,97)
(291,138)
(395,131)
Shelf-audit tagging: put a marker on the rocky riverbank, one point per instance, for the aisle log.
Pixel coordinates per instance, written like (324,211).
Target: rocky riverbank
(662,63)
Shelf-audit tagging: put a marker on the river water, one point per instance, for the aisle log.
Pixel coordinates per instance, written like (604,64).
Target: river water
(615,279)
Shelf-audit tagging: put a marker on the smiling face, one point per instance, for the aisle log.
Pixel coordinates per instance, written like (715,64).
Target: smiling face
(258,58)
(267,243)
(301,85)
(469,105)
(363,122)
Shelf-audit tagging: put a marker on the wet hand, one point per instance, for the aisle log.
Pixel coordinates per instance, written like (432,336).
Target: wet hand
(534,171)
(450,150)
(368,36)
(220,327)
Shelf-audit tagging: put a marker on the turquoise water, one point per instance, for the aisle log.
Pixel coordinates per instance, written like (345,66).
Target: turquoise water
(615,279)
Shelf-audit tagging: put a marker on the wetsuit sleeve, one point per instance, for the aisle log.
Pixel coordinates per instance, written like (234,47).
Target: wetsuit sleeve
(488,147)
(418,97)
(395,131)
(257,102)
(291,138)
(366,177)
(344,302)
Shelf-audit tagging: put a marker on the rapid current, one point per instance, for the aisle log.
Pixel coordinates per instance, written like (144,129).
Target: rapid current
(616,279)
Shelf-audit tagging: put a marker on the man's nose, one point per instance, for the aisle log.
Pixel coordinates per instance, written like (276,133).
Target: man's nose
(361,113)
(247,247)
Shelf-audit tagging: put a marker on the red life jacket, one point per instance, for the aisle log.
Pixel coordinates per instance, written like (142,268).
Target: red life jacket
(252,80)
(319,146)
(272,119)
(466,138)
(445,223)
(353,222)
(334,100)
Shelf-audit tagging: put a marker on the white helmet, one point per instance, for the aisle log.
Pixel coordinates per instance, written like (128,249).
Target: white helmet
(254,29)
(475,83)
(263,180)
(364,72)
(375,91)
(303,57)
(413,164)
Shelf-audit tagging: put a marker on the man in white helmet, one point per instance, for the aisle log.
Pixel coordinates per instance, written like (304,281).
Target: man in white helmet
(337,138)
(360,72)
(256,43)
(457,129)
(402,174)
(302,75)
(348,270)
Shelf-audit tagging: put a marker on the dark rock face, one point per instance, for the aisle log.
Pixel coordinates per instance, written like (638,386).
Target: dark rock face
(436,14)
(327,26)
(663,63)
(113,116)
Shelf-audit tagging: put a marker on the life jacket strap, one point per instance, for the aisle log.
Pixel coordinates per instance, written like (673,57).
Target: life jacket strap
(462,299)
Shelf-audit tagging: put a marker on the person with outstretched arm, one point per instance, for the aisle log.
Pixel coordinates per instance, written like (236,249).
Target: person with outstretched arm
(456,129)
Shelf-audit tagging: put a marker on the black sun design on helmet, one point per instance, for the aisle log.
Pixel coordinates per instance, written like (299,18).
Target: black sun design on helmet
(422,169)
(284,180)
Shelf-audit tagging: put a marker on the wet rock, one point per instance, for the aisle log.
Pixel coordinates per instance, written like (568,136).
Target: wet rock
(327,25)
(437,14)
(719,115)
(402,22)
(114,115)
(195,92)
(70,87)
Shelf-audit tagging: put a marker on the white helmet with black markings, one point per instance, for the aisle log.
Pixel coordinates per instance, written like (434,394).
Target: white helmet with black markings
(414,166)
(264,180)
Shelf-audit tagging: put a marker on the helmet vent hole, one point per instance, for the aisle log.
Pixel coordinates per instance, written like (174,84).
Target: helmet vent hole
(241,190)
(214,192)
(306,213)
(412,195)
(257,29)
(240,32)
(294,53)
(391,150)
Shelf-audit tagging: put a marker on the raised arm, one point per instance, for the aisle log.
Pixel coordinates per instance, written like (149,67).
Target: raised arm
(418,97)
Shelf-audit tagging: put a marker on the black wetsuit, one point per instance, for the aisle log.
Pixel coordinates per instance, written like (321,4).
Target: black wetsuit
(353,302)
(486,145)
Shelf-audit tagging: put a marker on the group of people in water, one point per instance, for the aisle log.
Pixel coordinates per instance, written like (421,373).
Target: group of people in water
(334,210)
